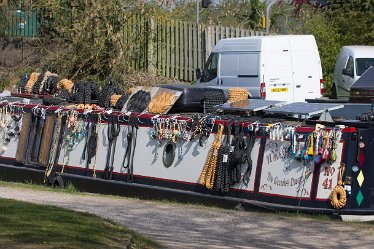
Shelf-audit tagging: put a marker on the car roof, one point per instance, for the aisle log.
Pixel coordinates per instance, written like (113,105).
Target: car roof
(361,51)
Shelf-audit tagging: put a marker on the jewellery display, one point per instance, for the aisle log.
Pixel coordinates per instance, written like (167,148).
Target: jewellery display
(202,126)
(320,145)
(10,117)
(169,129)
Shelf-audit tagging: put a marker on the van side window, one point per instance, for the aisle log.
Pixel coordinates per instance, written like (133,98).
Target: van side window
(350,66)
(210,68)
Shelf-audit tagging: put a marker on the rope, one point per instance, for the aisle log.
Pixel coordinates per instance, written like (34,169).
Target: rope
(251,138)
(108,90)
(161,103)
(139,101)
(237,156)
(97,145)
(240,104)
(112,132)
(211,99)
(36,86)
(44,81)
(130,152)
(65,84)
(114,99)
(208,173)
(29,85)
(121,101)
(338,197)
(51,161)
(22,84)
(50,85)
(237,94)
(223,181)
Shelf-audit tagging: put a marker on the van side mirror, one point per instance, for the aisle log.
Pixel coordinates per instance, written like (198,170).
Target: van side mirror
(347,72)
(198,73)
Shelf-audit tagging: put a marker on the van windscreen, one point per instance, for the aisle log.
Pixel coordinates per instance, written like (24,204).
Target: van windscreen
(363,64)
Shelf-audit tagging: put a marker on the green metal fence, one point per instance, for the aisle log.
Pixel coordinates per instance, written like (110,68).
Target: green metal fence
(18,23)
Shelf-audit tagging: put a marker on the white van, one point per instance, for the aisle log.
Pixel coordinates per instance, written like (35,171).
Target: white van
(351,63)
(284,67)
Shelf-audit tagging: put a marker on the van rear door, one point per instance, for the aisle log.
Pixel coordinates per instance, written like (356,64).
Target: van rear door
(306,67)
(278,70)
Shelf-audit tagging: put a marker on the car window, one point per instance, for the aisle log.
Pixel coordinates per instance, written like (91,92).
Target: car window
(210,68)
(363,64)
(350,66)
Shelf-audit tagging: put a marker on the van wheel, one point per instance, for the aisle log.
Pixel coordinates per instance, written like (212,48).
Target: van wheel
(333,92)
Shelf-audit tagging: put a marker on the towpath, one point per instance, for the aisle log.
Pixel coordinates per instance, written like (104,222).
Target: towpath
(187,226)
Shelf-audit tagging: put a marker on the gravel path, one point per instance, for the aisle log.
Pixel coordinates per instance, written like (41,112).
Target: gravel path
(187,226)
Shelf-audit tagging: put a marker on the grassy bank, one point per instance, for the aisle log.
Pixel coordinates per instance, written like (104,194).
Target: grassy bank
(25,225)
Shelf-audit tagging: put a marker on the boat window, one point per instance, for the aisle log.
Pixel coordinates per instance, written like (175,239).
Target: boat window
(363,64)
(210,68)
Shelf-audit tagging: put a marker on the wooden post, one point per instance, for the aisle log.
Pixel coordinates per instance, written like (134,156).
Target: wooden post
(209,41)
(186,49)
(151,52)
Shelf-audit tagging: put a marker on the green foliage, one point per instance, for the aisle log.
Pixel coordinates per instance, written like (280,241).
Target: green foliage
(3,21)
(311,21)
(93,44)
(348,22)
(354,20)
(235,13)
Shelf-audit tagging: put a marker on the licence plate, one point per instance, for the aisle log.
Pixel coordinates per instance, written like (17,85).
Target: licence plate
(279,90)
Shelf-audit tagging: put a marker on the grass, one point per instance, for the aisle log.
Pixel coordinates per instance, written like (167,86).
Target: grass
(24,225)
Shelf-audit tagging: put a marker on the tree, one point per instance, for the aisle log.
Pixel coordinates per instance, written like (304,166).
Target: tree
(311,20)
(354,20)
(237,13)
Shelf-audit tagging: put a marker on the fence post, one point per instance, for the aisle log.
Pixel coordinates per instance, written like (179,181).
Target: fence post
(209,42)
(150,53)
